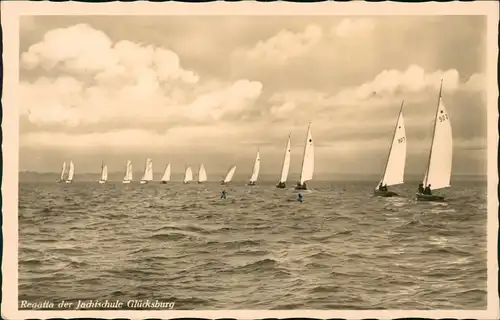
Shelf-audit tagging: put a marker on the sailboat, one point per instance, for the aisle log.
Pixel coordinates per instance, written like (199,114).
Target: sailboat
(148,172)
(286,166)
(307,162)
(128,172)
(63,173)
(71,172)
(439,165)
(229,175)
(256,169)
(395,166)
(202,174)
(188,175)
(104,173)
(166,175)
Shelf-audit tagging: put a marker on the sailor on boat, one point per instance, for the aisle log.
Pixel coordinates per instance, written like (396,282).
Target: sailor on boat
(427,190)
(301,186)
(421,188)
(383,187)
(299,197)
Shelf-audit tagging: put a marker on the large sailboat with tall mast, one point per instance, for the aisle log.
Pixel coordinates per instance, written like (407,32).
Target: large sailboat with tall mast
(71,172)
(307,171)
(439,164)
(63,173)
(188,175)
(394,170)
(229,175)
(128,173)
(148,172)
(286,166)
(256,169)
(104,173)
(166,175)
(202,174)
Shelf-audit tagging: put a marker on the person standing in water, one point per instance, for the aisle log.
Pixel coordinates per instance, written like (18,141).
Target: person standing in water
(223,194)
(299,197)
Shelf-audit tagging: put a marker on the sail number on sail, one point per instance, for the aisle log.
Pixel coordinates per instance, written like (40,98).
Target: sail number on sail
(401,140)
(443,117)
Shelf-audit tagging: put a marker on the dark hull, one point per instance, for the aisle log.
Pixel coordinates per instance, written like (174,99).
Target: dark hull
(281,186)
(379,193)
(301,187)
(222,182)
(163,182)
(427,197)
(251,184)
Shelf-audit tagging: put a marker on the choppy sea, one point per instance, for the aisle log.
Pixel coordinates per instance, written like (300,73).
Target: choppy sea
(258,249)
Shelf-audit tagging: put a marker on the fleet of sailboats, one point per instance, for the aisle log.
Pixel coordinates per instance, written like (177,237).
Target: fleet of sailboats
(307,162)
(256,169)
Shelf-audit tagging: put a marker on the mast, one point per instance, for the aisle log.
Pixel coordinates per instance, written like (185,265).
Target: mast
(392,142)
(304,153)
(433,134)
(286,151)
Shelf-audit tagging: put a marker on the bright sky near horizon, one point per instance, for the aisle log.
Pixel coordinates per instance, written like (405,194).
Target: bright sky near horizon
(214,89)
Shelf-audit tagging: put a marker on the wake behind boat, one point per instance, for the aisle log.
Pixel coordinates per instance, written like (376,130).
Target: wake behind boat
(395,166)
(285,167)
(439,166)
(307,162)
(256,169)
(229,175)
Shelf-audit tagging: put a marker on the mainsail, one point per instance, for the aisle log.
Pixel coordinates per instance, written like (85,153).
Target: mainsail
(128,172)
(286,162)
(63,172)
(202,174)
(394,170)
(256,168)
(308,158)
(148,171)
(230,174)
(104,172)
(438,173)
(166,173)
(71,172)
(188,176)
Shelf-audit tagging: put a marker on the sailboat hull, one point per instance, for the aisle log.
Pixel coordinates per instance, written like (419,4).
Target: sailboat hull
(69,181)
(143,182)
(102,181)
(126,181)
(222,182)
(301,187)
(251,183)
(379,193)
(431,197)
(281,185)
(163,182)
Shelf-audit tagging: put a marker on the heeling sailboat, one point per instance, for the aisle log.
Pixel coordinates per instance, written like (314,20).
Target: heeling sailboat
(256,169)
(148,172)
(394,170)
(439,165)
(71,172)
(63,173)
(166,175)
(128,172)
(188,175)
(229,175)
(286,166)
(202,174)
(307,162)
(104,173)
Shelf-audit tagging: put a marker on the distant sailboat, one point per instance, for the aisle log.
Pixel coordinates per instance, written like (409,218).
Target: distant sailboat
(256,169)
(71,172)
(188,175)
(229,175)
(128,172)
(104,173)
(202,174)
(438,173)
(286,166)
(63,173)
(148,172)
(395,166)
(166,175)
(307,162)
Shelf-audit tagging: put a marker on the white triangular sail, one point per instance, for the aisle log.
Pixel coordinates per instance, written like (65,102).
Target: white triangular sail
(128,171)
(63,172)
(148,171)
(188,175)
(202,174)
(286,162)
(395,166)
(308,158)
(230,174)
(71,171)
(104,173)
(438,173)
(166,174)
(256,168)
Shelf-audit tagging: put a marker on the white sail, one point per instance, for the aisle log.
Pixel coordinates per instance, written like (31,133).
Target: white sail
(148,171)
(71,172)
(104,173)
(308,159)
(63,172)
(202,174)
(128,172)
(230,174)
(188,176)
(438,173)
(286,162)
(256,168)
(166,174)
(395,167)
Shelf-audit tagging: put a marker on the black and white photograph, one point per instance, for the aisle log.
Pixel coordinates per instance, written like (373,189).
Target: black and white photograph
(189,158)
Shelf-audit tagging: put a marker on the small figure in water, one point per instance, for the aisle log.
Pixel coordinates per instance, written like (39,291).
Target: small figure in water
(223,194)
(299,197)
(427,190)
(421,188)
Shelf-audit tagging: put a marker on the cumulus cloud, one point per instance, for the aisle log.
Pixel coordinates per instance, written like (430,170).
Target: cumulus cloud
(353,27)
(129,83)
(284,46)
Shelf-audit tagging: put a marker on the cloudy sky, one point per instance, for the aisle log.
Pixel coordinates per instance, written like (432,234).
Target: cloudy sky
(214,89)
